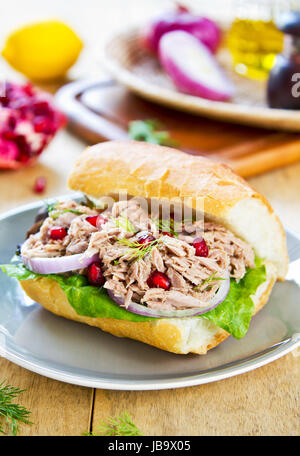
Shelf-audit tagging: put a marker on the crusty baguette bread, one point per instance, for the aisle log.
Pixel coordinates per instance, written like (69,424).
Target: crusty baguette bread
(153,171)
(181,335)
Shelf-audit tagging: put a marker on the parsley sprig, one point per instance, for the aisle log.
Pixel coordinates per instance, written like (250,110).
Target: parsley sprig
(11,412)
(118,426)
(150,131)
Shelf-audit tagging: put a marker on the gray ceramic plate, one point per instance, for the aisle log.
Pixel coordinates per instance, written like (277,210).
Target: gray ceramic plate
(72,352)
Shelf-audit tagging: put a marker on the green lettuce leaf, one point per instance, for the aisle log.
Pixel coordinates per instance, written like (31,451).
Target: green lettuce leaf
(233,314)
(88,301)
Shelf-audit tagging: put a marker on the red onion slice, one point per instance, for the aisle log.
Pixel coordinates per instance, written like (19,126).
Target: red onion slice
(193,68)
(140,309)
(58,265)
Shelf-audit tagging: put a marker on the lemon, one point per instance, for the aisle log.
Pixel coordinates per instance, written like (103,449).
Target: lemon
(43,51)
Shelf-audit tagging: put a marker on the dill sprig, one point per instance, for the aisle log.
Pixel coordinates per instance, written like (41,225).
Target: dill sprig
(171,226)
(211,279)
(168,226)
(52,207)
(124,223)
(58,212)
(136,250)
(11,412)
(118,426)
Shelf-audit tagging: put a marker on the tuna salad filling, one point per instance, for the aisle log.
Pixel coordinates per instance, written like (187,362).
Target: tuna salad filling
(140,259)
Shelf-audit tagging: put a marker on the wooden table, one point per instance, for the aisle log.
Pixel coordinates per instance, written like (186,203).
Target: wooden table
(262,402)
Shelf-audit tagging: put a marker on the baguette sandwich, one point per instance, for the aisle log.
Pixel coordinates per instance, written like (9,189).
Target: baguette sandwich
(182,283)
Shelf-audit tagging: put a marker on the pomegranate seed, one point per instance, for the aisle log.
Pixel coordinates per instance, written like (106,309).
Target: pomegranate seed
(159,280)
(201,247)
(41,108)
(8,150)
(28,106)
(145,239)
(182,8)
(4,101)
(9,135)
(57,233)
(12,122)
(167,233)
(40,185)
(100,221)
(95,275)
(28,89)
(92,219)
(43,125)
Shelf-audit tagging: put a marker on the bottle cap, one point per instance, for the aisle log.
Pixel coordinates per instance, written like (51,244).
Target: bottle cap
(289,23)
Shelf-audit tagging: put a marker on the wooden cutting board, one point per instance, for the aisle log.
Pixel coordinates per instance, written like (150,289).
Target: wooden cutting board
(100,110)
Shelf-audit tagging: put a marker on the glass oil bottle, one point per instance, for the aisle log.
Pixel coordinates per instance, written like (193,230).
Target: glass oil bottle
(253,39)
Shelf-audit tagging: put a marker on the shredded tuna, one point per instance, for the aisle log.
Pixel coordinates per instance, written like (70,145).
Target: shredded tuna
(77,240)
(157,260)
(127,274)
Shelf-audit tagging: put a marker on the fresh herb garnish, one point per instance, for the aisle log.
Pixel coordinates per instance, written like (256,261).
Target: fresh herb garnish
(51,206)
(149,131)
(58,212)
(11,412)
(54,212)
(233,314)
(168,226)
(136,250)
(119,426)
(211,279)
(124,223)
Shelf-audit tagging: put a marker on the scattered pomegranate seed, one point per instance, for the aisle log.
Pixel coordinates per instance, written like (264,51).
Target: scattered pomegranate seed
(201,247)
(100,221)
(57,233)
(39,185)
(145,239)
(182,8)
(159,280)
(95,275)
(167,233)
(92,219)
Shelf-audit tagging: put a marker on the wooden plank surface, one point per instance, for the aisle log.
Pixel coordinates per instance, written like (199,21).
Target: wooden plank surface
(57,408)
(256,403)
(101,109)
(262,402)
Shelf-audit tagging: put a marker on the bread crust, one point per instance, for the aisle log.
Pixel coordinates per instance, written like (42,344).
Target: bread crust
(181,336)
(152,171)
